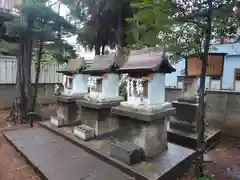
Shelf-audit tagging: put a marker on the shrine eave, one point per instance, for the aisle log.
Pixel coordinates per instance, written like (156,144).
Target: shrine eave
(102,64)
(100,71)
(185,76)
(6,15)
(163,67)
(147,60)
(210,54)
(74,66)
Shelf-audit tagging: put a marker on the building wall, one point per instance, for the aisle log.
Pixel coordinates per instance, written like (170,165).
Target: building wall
(8,71)
(223,107)
(231,61)
(230,64)
(171,79)
(8,93)
(9,4)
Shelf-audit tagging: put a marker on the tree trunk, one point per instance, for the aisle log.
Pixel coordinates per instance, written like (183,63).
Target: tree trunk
(120,29)
(24,74)
(201,112)
(97,46)
(22,96)
(38,68)
(103,49)
(27,69)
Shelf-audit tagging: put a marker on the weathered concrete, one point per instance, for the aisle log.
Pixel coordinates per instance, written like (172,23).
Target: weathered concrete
(182,127)
(140,115)
(147,130)
(185,117)
(126,152)
(189,139)
(58,159)
(98,116)
(222,109)
(169,165)
(8,93)
(67,112)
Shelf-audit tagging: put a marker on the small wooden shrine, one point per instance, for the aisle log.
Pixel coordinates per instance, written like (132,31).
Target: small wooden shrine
(74,87)
(104,94)
(146,73)
(130,135)
(183,125)
(145,112)
(74,81)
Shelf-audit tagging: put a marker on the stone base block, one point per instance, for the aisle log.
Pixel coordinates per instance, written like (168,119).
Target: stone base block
(185,111)
(98,116)
(68,109)
(126,152)
(60,122)
(193,100)
(189,139)
(146,130)
(56,121)
(182,125)
(147,108)
(83,132)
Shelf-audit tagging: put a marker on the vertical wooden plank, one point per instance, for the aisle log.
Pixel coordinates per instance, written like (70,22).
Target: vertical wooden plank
(54,69)
(5,72)
(1,72)
(14,63)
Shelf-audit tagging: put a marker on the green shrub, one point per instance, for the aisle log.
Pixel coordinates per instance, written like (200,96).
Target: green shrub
(205,178)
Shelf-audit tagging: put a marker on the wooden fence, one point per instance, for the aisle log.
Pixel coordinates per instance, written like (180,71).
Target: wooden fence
(8,71)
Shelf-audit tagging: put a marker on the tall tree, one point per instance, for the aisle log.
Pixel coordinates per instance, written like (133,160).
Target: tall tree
(190,22)
(103,22)
(37,24)
(157,22)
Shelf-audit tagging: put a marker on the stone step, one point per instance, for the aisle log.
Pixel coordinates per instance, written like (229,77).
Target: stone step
(126,152)
(83,132)
(182,125)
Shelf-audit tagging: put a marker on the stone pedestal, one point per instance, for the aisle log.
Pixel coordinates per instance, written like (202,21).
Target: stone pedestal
(185,117)
(67,112)
(83,132)
(126,152)
(144,127)
(182,127)
(97,115)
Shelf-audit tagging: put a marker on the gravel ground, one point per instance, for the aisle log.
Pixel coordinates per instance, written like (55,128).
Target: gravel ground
(12,165)
(224,161)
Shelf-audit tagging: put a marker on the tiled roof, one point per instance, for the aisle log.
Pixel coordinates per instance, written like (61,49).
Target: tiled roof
(74,66)
(148,59)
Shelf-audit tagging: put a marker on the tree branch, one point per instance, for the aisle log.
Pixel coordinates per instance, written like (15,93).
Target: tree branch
(191,21)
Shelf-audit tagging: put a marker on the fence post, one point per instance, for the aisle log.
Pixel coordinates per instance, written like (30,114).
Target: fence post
(225,108)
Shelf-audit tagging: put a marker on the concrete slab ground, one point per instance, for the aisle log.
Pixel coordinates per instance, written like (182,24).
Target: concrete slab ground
(58,159)
(225,159)
(170,164)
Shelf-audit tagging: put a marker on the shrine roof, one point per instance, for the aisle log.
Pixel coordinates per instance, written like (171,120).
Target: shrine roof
(74,66)
(6,15)
(210,54)
(147,60)
(105,64)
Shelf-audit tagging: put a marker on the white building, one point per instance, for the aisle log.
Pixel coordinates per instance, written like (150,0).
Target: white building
(231,70)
